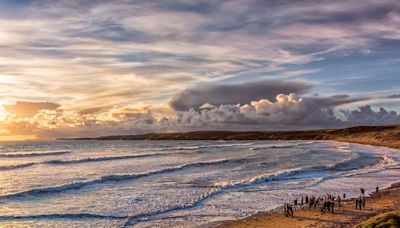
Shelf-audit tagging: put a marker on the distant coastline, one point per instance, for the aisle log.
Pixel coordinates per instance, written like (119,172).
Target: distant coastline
(388,136)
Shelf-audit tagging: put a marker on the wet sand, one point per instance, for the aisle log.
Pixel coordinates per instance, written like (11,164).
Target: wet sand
(347,216)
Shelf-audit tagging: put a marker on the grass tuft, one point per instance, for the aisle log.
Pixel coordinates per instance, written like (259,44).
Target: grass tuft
(386,220)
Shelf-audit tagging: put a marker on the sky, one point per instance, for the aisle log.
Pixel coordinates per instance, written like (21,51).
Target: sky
(92,67)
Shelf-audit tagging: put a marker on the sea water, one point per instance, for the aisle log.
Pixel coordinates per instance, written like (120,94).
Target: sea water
(176,183)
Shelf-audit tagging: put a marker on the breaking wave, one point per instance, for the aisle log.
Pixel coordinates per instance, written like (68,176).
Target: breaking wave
(33,154)
(109,178)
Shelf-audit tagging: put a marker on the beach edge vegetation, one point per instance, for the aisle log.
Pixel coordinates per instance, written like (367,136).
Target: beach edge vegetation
(387,220)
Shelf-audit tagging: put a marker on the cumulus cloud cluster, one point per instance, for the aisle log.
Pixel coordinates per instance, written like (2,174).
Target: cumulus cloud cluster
(235,93)
(242,93)
(365,115)
(286,112)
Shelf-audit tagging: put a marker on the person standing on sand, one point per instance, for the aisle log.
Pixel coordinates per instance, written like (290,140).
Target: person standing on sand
(356,204)
(285,210)
(377,189)
(344,195)
(323,207)
(363,202)
(338,200)
(311,203)
(291,210)
(362,191)
(295,203)
(360,203)
(302,201)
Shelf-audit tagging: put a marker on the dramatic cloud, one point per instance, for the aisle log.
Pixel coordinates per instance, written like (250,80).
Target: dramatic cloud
(29,109)
(366,116)
(194,63)
(288,112)
(235,93)
(285,112)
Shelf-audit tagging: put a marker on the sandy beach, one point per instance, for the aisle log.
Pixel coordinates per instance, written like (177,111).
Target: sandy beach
(346,216)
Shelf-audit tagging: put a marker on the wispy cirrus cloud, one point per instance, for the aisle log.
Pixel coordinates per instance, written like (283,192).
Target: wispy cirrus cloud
(95,56)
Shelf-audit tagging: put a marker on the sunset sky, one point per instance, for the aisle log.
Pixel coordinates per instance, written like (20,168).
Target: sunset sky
(89,68)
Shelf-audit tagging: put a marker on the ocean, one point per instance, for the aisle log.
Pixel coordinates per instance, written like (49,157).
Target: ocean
(176,183)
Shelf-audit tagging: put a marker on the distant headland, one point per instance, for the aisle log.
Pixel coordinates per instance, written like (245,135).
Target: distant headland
(388,136)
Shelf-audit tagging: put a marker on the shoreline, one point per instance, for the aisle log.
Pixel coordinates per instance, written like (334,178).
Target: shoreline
(261,219)
(378,136)
(387,136)
(387,199)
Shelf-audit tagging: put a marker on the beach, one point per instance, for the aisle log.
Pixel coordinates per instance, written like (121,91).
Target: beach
(347,215)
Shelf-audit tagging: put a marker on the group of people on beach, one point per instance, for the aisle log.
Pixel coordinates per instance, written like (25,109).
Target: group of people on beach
(325,203)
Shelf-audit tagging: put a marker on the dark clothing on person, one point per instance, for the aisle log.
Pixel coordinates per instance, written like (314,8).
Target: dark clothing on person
(285,210)
(360,202)
(377,189)
(324,206)
(289,210)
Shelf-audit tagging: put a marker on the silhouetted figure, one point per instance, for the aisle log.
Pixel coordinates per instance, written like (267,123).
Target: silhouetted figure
(295,203)
(311,203)
(315,203)
(344,195)
(285,212)
(332,206)
(323,207)
(357,203)
(302,202)
(306,200)
(360,203)
(289,210)
(339,200)
(362,191)
(328,205)
(377,189)
(363,202)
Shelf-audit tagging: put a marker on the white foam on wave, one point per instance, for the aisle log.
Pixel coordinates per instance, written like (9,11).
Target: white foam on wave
(33,154)
(232,185)
(249,199)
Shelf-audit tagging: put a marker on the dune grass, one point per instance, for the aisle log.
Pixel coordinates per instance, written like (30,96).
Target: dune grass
(386,220)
